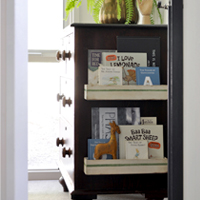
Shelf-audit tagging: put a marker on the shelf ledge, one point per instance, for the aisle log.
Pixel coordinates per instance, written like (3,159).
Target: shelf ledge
(123,166)
(126,92)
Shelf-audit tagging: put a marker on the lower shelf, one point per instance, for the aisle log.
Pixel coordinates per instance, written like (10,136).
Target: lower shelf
(123,166)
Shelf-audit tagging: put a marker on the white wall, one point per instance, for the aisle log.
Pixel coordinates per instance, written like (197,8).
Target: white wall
(13,99)
(191,100)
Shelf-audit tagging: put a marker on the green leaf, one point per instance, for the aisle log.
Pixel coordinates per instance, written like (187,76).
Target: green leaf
(129,11)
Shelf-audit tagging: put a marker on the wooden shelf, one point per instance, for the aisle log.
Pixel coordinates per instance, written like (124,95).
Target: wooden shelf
(123,166)
(126,92)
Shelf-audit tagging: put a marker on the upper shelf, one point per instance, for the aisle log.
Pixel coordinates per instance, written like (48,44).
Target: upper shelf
(126,92)
(94,25)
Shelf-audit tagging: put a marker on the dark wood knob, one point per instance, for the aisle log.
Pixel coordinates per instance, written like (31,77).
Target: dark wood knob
(58,142)
(58,55)
(59,97)
(66,152)
(66,55)
(66,101)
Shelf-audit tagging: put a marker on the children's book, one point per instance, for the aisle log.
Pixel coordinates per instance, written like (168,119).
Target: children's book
(148,120)
(94,60)
(110,75)
(147,76)
(122,115)
(129,76)
(124,59)
(136,149)
(106,115)
(153,134)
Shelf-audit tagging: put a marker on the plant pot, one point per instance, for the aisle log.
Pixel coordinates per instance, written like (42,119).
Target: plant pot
(108,12)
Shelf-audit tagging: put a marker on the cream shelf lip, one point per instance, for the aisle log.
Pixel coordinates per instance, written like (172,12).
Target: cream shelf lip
(126,92)
(124,166)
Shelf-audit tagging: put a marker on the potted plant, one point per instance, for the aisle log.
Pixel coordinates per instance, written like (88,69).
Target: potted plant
(95,8)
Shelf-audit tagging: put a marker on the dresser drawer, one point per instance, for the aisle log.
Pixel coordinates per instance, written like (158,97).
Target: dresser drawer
(66,134)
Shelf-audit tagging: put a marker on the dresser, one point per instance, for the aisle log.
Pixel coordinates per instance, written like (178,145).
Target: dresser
(75,112)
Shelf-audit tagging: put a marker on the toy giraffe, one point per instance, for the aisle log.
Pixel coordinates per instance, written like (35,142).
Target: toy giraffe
(109,147)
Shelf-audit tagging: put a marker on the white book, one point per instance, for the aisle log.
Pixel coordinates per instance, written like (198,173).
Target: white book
(110,75)
(136,149)
(148,120)
(94,60)
(106,115)
(124,59)
(153,134)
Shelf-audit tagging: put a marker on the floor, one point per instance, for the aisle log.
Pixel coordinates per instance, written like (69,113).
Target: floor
(52,190)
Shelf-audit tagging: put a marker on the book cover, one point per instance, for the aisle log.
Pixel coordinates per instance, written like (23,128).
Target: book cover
(95,122)
(94,60)
(150,45)
(147,76)
(136,149)
(125,59)
(106,115)
(148,120)
(153,134)
(110,75)
(129,76)
(91,147)
(125,116)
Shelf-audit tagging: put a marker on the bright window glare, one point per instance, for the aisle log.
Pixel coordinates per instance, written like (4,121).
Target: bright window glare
(45,21)
(43,119)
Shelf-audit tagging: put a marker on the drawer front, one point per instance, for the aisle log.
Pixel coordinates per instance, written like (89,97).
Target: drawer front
(69,61)
(66,151)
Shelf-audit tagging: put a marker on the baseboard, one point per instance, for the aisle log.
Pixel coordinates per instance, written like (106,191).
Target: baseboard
(44,174)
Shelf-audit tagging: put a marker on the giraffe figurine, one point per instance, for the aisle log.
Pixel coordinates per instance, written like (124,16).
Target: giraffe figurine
(109,147)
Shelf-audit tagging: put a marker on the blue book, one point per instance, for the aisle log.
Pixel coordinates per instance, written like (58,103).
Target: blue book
(91,146)
(147,76)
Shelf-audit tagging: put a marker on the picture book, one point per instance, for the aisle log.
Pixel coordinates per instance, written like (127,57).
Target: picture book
(148,120)
(153,134)
(136,149)
(149,45)
(129,76)
(94,60)
(91,147)
(122,115)
(124,59)
(106,115)
(110,75)
(147,76)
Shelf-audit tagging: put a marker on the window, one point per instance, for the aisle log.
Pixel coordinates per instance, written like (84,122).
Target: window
(45,22)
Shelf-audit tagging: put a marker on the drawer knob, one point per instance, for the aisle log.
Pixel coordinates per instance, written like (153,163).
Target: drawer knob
(66,55)
(58,55)
(66,101)
(59,97)
(66,152)
(58,142)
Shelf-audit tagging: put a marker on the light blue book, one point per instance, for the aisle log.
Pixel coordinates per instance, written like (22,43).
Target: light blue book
(147,76)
